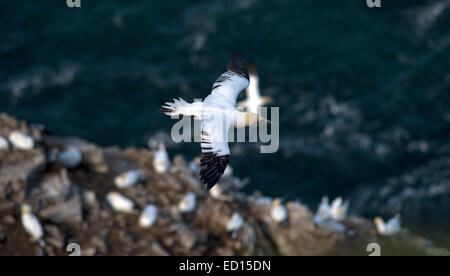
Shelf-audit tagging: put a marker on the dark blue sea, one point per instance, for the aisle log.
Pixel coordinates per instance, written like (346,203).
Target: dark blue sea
(364,93)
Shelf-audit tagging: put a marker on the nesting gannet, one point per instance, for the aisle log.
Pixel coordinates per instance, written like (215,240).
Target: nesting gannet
(218,114)
(31,224)
(323,212)
(194,165)
(392,227)
(120,203)
(3,143)
(188,203)
(234,224)
(148,216)
(216,192)
(70,158)
(278,212)
(326,215)
(263,200)
(127,179)
(338,210)
(161,161)
(21,141)
(254,99)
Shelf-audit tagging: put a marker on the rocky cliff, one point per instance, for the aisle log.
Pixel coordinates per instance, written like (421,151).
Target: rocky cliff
(71,206)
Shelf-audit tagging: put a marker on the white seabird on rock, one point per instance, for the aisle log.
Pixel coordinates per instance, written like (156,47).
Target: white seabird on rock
(127,179)
(323,212)
(120,203)
(70,158)
(326,215)
(194,165)
(217,192)
(148,216)
(263,200)
(278,212)
(3,143)
(234,224)
(338,209)
(21,141)
(161,161)
(31,224)
(188,203)
(392,227)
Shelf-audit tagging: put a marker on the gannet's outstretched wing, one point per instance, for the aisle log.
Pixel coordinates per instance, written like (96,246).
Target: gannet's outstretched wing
(216,153)
(215,150)
(227,87)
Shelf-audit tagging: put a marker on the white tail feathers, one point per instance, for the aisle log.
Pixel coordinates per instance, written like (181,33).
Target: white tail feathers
(182,108)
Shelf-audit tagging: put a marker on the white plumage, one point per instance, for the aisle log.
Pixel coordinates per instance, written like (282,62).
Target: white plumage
(194,165)
(392,227)
(235,223)
(70,158)
(127,179)
(148,216)
(120,203)
(188,203)
(218,114)
(278,212)
(323,211)
(3,143)
(338,209)
(254,99)
(161,161)
(21,141)
(330,216)
(31,223)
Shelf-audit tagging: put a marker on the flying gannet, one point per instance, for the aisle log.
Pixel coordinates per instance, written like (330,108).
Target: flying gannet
(31,224)
(218,114)
(392,227)
(254,99)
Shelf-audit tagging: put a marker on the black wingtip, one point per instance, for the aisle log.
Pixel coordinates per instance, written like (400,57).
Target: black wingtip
(213,167)
(238,65)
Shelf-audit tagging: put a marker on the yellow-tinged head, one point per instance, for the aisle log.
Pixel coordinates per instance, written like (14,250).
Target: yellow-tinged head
(276,202)
(253,119)
(25,208)
(266,100)
(378,221)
